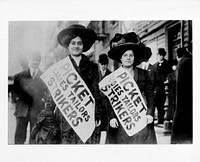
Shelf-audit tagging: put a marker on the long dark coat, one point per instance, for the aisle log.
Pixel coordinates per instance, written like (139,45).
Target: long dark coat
(171,96)
(182,122)
(159,74)
(146,135)
(106,107)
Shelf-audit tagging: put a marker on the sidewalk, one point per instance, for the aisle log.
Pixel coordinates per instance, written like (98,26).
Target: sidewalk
(12,124)
(163,136)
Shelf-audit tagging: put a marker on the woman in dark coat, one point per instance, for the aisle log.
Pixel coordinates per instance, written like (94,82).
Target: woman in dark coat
(130,52)
(77,39)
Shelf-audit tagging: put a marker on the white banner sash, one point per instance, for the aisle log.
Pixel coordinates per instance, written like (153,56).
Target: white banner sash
(126,100)
(72,97)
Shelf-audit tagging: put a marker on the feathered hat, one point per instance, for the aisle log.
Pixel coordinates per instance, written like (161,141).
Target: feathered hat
(128,41)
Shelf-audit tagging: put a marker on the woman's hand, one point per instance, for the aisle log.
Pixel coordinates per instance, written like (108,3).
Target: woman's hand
(114,123)
(149,119)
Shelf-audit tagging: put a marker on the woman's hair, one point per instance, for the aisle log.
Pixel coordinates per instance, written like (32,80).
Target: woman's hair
(67,38)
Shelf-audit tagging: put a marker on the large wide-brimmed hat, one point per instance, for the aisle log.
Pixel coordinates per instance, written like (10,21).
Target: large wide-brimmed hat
(87,35)
(129,41)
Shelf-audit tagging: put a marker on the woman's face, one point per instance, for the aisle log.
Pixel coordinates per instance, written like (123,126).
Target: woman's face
(127,59)
(75,46)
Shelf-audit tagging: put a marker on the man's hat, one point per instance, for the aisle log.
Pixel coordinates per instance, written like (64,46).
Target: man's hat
(129,41)
(161,51)
(103,59)
(87,35)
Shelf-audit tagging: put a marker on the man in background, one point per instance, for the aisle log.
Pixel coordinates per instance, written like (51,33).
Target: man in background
(104,71)
(28,92)
(159,73)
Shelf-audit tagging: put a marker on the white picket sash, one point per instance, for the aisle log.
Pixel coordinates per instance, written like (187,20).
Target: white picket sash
(72,97)
(126,100)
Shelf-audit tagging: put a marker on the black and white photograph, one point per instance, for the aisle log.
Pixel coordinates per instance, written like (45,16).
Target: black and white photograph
(95,49)
(82,87)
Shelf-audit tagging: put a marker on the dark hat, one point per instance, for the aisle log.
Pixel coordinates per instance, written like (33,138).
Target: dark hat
(129,41)
(115,39)
(183,52)
(103,59)
(161,51)
(87,35)
(180,51)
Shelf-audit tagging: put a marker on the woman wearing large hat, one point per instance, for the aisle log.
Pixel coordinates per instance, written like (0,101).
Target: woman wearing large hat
(130,52)
(87,36)
(78,39)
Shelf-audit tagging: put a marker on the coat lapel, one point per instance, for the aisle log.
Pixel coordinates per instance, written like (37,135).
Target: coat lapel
(107,72)
(135,74)
(38,73)
(84,64)
(27,73)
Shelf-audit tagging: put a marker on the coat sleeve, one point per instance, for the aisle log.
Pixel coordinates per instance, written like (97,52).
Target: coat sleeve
(19,93)
(16,86)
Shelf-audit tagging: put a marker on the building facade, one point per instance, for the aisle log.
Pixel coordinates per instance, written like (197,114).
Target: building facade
(168,34)
(164,34)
